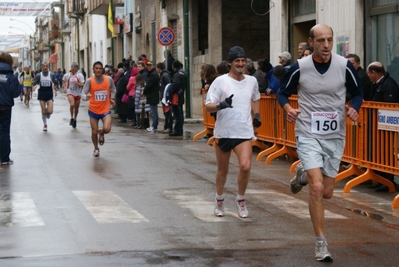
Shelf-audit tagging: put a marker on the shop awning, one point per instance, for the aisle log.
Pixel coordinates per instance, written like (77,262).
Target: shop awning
(13,50)
(53,58)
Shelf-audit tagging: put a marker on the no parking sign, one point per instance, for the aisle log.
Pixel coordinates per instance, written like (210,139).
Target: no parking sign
(166,36)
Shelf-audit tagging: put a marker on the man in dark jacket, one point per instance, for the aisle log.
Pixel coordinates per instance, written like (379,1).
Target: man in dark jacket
(251,70)
(164,79)
(364,79)
(122,109)
(384,89)
(151,91)
(8,91)
(179,87)
(142,70)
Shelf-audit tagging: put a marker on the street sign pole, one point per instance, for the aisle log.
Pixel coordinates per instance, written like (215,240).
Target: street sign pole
(165,54)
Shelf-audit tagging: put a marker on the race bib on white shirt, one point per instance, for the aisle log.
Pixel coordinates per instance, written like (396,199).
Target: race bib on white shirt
(45,83)
(73,80)
(325,122)
(100,95)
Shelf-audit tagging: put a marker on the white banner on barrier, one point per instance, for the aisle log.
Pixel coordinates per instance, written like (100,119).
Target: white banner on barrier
(25,8)
(388,120)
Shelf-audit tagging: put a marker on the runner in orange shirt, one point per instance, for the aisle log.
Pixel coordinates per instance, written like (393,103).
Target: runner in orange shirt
(100,90)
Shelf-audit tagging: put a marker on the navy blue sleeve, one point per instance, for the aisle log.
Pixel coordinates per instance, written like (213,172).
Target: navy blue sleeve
(354,89)
(274,84)
(289,84)
(14,86)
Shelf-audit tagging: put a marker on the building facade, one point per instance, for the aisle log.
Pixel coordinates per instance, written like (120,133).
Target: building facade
(205,30)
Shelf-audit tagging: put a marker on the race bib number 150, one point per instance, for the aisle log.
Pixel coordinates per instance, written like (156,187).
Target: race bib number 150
(325,122)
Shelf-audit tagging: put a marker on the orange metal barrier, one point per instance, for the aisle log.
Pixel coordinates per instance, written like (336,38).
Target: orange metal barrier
(209,122)
(275,129)
(367,149)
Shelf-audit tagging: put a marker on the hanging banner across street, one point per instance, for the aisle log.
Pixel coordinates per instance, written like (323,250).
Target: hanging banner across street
(25,8)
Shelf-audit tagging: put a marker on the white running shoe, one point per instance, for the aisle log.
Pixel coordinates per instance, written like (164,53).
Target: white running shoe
(45,128)
(321,251)
(295,184)
(150,129)
(96,153)
(242,208)
(219,208)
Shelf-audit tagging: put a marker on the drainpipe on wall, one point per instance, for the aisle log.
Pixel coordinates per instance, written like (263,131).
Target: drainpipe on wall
(187,57)
(62,54)
(61,27)
(112,37)
(77,38)
(88,49)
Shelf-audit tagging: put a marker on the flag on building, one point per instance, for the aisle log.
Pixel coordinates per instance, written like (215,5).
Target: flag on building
(110,19)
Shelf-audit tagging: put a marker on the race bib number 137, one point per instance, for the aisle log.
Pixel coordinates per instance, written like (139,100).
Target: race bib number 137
(325,122)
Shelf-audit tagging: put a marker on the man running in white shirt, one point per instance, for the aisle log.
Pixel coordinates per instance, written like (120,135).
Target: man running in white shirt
(73,83)
(47,91)
(234,125)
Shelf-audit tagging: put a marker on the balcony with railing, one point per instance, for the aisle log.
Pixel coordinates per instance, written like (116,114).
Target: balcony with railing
(66,25)
(76,8)
(98,7)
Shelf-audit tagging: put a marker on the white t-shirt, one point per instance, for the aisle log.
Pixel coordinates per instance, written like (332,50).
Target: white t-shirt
(235,122)
(72,80)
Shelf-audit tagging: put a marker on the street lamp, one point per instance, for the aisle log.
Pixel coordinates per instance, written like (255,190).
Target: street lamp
(23,23)
(11,27)
(28,47)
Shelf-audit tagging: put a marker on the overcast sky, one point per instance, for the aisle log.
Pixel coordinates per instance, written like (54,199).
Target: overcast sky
(20,27)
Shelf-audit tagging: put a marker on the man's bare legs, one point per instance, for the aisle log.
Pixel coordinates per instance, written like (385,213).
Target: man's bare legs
(320,187)
(222,160)
(47,109)
(27,93)
(107,120)
(244,156)
(94,132)
(76,108)
(73,109)
(97,134)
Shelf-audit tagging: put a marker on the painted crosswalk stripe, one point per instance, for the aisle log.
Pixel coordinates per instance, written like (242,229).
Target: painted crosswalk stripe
(202,209)
(19,209)
(289,204)
(107,207)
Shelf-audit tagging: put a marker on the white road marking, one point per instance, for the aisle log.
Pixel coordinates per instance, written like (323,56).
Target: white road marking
(18,209)
(203,209)
(107,207)
(289,204)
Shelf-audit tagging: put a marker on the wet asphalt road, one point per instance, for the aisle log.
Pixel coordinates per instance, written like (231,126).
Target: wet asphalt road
(148,201)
